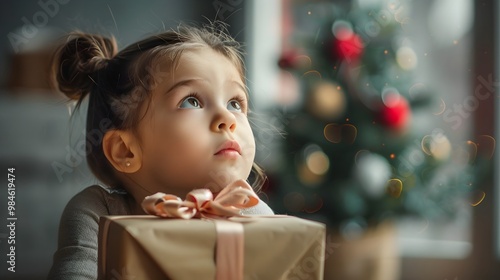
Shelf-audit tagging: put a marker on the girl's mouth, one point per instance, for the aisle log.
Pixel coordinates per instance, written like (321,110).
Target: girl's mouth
(229,148)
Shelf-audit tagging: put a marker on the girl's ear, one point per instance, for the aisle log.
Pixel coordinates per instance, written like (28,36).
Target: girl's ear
(123,151)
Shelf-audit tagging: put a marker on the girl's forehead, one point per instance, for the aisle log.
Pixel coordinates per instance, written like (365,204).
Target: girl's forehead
(202,61)
(200,64)
(203,54)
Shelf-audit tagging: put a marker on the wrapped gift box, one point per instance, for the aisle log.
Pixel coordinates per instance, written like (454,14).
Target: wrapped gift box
(149,247)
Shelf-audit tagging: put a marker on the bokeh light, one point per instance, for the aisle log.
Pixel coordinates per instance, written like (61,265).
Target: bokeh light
(394,188)
(360,154)
(477,197)
(390,96)
(303,61)
(318,162)
(437,146)
(327,101)
(440,147)
(312,73)
(312,165)
(472,148)
(486,146)
(441,107)
(342,29)
(337,133)
(406,58)
(417,90)
(332,133)
(372,172)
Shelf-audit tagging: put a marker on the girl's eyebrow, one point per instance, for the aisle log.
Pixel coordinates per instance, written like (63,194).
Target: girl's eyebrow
(186,82)
(239,85)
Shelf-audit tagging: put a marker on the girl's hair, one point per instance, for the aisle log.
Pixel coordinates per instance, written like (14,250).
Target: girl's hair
(119,82)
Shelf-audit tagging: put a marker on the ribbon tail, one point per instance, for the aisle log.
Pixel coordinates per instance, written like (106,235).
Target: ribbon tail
(229,254)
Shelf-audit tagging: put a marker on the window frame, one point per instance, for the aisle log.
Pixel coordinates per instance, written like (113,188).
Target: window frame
(483,261)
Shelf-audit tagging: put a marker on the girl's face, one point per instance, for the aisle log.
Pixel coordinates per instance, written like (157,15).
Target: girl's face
(196,133)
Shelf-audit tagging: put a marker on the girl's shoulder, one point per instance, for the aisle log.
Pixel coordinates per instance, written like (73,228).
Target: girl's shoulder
(100,200)
(76,256)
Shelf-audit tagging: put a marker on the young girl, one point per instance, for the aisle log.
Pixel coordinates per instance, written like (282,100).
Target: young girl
(172,112)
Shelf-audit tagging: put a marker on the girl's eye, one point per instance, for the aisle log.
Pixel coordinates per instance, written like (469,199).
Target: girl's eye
(234,105)
(190,102)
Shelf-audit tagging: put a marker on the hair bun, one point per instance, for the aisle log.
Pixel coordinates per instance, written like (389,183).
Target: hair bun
(78,59)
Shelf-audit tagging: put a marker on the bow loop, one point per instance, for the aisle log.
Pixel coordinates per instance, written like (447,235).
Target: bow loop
(200,203)
(238,194)
(200,197)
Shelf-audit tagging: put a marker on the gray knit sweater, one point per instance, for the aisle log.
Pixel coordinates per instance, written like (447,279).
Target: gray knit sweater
(76,256)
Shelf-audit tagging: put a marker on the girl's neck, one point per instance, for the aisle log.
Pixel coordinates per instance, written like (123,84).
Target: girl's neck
(136,195)
(135,207)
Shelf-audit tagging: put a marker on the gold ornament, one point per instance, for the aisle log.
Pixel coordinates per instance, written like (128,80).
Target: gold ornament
(327,101)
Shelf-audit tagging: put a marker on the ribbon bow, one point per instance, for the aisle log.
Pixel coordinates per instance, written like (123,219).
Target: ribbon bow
(200,203)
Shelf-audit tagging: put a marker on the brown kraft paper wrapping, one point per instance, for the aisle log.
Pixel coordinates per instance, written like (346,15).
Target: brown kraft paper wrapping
(149,247)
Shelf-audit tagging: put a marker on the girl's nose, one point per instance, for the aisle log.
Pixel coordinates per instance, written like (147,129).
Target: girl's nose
(223,120)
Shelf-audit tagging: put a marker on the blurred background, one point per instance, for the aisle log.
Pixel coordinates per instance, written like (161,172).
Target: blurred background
(375,117)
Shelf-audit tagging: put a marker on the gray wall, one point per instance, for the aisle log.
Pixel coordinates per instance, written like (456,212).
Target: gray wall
(127,20)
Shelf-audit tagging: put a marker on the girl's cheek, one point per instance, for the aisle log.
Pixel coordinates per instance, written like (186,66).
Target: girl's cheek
(249,143)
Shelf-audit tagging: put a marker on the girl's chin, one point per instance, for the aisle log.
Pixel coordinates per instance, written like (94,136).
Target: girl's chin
(216,190)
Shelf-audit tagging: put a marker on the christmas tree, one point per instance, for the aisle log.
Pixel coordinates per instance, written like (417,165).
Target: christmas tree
(362,144)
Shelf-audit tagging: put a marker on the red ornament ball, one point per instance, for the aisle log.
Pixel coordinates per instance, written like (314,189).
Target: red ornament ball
(348,46)
(395,112)
(288,59)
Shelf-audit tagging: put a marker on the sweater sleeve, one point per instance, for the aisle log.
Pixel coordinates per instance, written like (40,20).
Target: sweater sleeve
(76,256)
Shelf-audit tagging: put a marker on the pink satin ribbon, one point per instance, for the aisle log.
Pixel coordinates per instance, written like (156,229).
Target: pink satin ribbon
(200,203)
